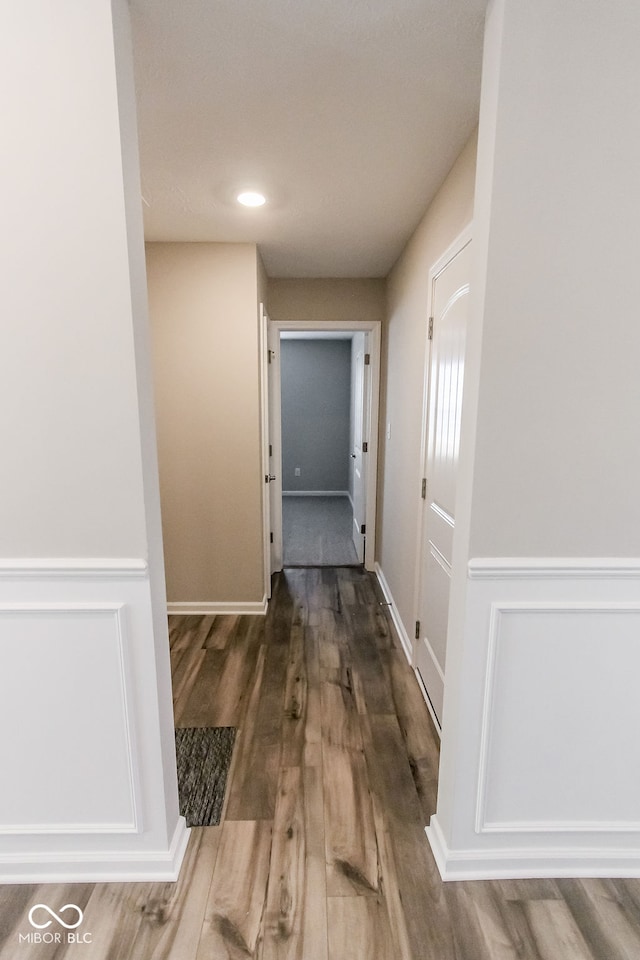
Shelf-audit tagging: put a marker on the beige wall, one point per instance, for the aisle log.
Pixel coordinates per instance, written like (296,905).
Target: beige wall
(404,344)
(327,299)
(203,304)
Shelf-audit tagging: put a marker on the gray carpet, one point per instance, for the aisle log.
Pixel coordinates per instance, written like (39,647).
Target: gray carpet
(316,531)
(204,756)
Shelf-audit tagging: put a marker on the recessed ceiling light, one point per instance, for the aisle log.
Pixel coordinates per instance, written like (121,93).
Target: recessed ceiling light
(251,199)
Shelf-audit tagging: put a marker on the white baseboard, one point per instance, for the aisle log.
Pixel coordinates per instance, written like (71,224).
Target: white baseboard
(407,645)
(425,696)
(93,866)
(315,493)
(529,863)
(217,608)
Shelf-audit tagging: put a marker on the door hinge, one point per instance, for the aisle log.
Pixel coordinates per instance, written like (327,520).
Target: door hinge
(430,328)
(270,355)
(367,359)
(365,447)
(424,488)
(363,528)
(270,538)
(270,450)
(417,629)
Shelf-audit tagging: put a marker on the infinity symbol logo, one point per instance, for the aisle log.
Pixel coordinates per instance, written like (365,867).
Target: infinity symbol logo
(47,923)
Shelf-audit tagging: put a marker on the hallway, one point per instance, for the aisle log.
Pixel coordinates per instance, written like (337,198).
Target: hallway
(321,853)
(321,780)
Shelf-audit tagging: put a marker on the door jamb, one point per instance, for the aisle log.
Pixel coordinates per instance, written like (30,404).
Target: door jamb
(373,328)
(275,439)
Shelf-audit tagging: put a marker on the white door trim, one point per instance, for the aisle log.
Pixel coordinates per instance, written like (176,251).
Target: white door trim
(264,431)
(276,327)
(274,490)
(436,269)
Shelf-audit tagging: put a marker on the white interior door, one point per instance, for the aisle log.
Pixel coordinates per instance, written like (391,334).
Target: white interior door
(450,297)
(360,437)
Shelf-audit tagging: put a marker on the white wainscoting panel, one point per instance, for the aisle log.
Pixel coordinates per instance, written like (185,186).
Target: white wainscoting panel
(548,718)
(574,668)
(71,747)
(89,787)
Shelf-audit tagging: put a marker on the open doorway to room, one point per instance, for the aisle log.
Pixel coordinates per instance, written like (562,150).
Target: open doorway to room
(323,405)
(316,391)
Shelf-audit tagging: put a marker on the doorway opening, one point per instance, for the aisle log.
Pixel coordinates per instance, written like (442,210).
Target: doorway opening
(317,407)
(321,449)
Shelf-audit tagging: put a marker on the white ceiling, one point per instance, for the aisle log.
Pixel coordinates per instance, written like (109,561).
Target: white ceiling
(347,114)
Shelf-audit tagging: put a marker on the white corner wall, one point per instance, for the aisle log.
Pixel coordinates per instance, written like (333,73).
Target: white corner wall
(539,772)
(87,752)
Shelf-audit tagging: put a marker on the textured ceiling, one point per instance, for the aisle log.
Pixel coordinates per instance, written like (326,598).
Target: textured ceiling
(347,114)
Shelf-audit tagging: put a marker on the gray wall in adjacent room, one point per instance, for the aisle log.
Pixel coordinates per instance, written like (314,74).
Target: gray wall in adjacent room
(316,394)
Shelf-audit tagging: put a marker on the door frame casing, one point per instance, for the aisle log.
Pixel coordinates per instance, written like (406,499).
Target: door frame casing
(275,438)
(263,335)
(454,248)
(373,329)
(359,418)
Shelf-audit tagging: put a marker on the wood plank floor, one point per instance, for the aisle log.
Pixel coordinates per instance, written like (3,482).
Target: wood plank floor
(321,853)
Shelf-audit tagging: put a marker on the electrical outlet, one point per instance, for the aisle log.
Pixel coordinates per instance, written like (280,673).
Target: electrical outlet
(297,471)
